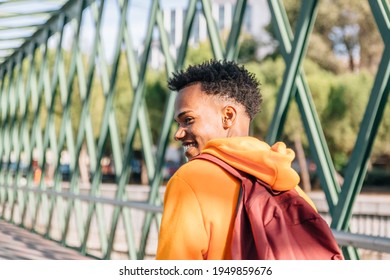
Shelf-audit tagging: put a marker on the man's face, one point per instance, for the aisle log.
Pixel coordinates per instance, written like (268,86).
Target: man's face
(199,118)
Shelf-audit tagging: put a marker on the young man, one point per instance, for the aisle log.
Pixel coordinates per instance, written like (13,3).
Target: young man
(216,102)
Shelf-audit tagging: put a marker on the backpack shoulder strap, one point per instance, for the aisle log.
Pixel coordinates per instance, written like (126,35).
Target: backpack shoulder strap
(245,178)
(235,172)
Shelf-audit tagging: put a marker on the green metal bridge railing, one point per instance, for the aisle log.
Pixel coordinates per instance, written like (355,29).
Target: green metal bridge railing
(39,77)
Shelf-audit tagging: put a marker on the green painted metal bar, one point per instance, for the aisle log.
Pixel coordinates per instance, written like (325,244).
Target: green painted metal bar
(232,48)
(117,174)
(24,128)
(8,140)
(50,136)
(170,66)
(74,187)
(36,135)
(84,116)
(7,134)
(3,138)
(381,11)
(319,149)
(33,90)
(134,118)
(358,163)
(156,179)
(18,92)
(49,132)
(320,152)
(85,126)
(108,127)
(304,26)
(139,92)
(116,213)
(95,156)
(55,144)
(357,167)
(310,119)
(65,131)
(15,146)
(21,130)
(215,38)
(148,156)
(2,133)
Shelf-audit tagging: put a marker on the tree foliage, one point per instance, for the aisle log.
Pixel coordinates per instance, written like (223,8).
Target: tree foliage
(343,29)
(156,98)
(199,53)
(248,50)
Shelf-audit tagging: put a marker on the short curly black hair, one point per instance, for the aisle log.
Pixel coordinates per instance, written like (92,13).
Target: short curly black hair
(224,78)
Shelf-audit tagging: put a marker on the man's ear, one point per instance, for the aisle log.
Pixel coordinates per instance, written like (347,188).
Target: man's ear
(229,114)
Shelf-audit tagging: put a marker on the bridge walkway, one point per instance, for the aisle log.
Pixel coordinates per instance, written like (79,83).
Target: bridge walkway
(20,244)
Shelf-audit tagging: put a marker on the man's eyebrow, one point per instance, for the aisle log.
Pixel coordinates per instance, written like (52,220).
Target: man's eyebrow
(181,114)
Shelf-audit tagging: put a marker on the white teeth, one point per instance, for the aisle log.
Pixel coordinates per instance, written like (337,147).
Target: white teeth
(186,147)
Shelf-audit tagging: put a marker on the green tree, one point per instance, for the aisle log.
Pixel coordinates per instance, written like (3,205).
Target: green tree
(156,98)
(248,50)
(343,28)
(198,54)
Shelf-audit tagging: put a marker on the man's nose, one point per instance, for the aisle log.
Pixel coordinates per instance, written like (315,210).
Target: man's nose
(179,133)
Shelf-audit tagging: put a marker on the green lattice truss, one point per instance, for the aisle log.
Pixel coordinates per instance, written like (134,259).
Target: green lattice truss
(32,86)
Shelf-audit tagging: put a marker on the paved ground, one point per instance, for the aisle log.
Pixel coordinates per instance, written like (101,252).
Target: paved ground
(20,244)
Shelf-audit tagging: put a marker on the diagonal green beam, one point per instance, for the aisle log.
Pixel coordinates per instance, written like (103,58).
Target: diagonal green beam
(215,39)
(35,134)
(33,137)
(358,163)
(232,47)
(24,130)
(310,119)
(8,134)
(137,118)
(305,24)
(85,126)
(66,133)
(20,91)
(3,116)
(171,66)
(108,127)
(14,124)
(357,167)
(49,137)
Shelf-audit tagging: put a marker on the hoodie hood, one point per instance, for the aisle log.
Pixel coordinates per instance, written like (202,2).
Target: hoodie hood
(271,164)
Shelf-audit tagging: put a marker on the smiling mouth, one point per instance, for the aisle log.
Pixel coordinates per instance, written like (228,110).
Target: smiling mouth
(187,146)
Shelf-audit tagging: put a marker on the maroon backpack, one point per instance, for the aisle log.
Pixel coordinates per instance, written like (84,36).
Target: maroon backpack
(271,225)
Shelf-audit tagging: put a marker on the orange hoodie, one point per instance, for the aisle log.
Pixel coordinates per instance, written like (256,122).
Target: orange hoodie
(201,198)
